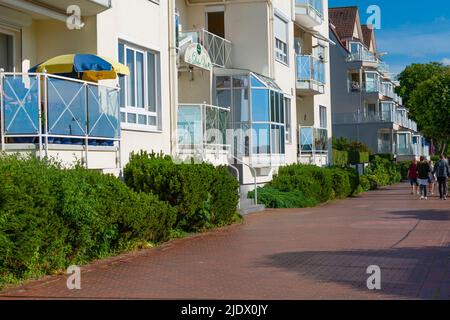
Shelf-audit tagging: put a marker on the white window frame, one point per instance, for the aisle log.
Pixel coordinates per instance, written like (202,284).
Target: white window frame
(280,55)
(288,119)
(13,34)
(142,111)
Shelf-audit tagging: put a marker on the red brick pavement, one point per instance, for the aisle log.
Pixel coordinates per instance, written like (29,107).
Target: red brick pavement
(319,253)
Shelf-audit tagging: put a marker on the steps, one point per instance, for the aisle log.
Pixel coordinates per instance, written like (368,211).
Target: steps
(248,206)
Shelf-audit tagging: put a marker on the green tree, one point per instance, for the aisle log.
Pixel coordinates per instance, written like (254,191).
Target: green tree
(431,100)
(411,78)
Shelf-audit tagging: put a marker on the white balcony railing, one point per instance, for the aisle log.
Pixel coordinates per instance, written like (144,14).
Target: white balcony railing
(219,49)
(363,55)
(309,13)
(310,73)
(44,109)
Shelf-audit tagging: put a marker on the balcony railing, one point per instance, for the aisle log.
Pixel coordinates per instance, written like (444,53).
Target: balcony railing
(364,55)
(45,109)
(310,73)
(309,12)
(219,49)
(354,117)
(202,131)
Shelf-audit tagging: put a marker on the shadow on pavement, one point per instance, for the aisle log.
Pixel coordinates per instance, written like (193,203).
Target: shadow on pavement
(422,273)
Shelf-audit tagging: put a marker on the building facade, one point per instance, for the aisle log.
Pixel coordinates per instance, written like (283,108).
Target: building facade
(365,105)
(239,83)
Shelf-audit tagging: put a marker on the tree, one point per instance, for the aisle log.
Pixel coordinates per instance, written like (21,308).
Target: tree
(411,78)
(431,101)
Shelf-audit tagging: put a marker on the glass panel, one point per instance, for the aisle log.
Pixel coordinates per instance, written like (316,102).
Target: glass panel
(151,120)
(261,138)
(240,105)
(132,118)
(272,106)
(66,107)
(256,83)
(321,139)
(240,81)
(260,105)
(281,109)
(140,79)
(103,111)
(212,125)
(190,129)
(306,139)
(223,98)
(224,118)
(152,83)
(142,119)
(131,83)
(223,82)
(123,117)
(21,105)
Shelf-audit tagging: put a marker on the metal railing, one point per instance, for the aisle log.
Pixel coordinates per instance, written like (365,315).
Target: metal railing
(310,69)
(314,5)
(363,55)
(219,49)
(46,109)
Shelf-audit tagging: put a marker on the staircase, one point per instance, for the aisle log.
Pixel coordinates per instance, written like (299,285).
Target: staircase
(248,206)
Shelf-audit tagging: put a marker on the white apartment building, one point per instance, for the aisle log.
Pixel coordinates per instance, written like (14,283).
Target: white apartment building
(365,105)
(239,83)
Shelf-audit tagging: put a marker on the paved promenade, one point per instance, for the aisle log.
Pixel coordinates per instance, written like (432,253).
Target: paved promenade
(319,253)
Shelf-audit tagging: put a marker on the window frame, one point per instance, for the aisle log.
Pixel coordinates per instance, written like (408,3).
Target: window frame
(152,118)
(279,51)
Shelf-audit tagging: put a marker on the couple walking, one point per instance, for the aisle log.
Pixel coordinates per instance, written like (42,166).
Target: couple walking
(424,174)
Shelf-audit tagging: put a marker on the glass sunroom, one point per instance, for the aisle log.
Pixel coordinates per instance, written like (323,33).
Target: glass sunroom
(257,116)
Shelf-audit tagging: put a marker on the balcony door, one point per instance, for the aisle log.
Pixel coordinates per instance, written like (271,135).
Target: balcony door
(6,52)
(215,21)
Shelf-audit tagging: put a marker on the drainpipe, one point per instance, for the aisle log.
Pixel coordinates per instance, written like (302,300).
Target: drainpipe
(173,72)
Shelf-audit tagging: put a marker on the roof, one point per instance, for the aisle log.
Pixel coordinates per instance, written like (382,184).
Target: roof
(344,19)
(369,35)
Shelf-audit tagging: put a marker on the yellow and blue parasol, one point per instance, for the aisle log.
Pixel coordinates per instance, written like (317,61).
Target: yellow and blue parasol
(88,67)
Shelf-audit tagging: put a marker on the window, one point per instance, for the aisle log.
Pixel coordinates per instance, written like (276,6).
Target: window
(281,39)
(288,119)
(140,94)
(323,117)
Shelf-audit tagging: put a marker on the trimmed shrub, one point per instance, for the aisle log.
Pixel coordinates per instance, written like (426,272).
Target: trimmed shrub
(403,168)
(340,158)
(51,218)
(365,183)
(386,156)
(203,195)
(357,157)
(274,198)
(341,183)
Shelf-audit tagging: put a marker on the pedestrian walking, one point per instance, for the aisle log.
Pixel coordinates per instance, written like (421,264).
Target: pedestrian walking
(432,179)
(423,171)
(412,177)
(442,173)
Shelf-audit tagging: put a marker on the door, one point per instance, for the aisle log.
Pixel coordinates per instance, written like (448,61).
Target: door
(216,23)
(6,52)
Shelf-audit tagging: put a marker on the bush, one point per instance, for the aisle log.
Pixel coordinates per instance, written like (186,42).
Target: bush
(382,172)
(51,218)
(341,183)
(365,183)
(403,168)
(314,182)
(357,157)
(340,158)
(387,156)
(274,198)
(204,196)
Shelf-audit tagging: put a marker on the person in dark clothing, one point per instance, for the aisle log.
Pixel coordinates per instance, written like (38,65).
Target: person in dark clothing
(412,176)
(423,170)
(442,172)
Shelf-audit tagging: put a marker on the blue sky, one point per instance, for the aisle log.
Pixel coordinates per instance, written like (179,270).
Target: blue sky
(411,30)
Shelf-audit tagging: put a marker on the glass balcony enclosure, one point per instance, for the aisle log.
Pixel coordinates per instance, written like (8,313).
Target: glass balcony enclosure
(404,144)
(257,116)
(310,75)
(309,13)
(45,109)
(358,52)
(313,141)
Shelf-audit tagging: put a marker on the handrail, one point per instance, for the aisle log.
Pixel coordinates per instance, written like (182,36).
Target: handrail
(254,175)
(239,180)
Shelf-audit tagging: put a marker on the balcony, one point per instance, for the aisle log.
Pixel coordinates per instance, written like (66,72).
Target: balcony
(387,90)
(46,113)
(356,118)
(202,133)
(362,58)
(309,13)
(219,49)
(313,145)
(310,75)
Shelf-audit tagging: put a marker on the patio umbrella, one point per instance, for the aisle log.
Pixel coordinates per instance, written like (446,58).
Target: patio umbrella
(87,67)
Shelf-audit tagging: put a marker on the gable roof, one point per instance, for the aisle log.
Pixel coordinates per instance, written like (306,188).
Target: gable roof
(344,19)
(369,36)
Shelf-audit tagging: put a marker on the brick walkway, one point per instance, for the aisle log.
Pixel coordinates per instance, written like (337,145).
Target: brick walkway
(319,253)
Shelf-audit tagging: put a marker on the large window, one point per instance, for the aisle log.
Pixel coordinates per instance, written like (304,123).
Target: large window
(281,39)
(140,94)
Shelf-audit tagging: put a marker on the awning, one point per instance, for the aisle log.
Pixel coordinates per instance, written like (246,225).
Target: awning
(316,34)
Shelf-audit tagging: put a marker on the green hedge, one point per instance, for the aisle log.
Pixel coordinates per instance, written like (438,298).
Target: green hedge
(356,157)
(274,198)
(382,172)
(51,218)
(387,156)
(203,195)
(340,158)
